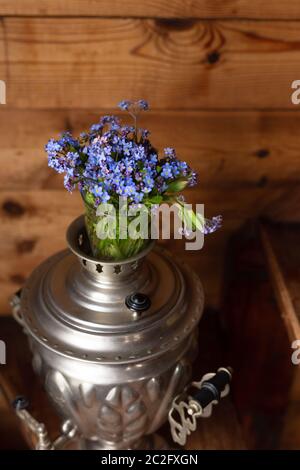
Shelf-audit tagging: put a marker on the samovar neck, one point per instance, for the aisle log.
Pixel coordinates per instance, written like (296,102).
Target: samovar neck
(103,270)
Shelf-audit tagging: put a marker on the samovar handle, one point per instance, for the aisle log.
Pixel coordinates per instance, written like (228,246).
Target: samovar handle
(15,303)
(197,401)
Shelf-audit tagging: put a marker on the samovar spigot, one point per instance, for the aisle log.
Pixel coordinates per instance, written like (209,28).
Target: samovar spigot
(197,401)
(43,441)
(38,429)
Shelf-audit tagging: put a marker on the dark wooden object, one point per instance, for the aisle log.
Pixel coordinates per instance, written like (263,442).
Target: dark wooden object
(262,319)
(221,431)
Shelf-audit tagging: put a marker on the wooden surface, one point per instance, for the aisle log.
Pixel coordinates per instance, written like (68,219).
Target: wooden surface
(229,149)
(18,378)
(281,244)
(281,247)
(78,62)
(261,316)
(157,8)
(11,435)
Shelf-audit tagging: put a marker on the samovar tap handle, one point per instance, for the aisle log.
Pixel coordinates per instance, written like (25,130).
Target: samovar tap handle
(197,401)
(39,429)
(68,429)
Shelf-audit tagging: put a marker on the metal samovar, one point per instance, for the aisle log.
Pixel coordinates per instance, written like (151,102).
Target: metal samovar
(114,343)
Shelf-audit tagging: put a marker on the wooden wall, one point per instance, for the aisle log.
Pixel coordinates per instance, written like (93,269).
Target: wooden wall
(217,74)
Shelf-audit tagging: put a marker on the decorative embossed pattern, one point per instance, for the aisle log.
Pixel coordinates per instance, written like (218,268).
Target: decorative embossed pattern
(117,415)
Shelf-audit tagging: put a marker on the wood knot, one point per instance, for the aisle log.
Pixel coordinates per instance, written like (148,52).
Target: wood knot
(262,153)
(13,208)
(25,246)
(213,57)
(262,182)
(18,279)
(175,24)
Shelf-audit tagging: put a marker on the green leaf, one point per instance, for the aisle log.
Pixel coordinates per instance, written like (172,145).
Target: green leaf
(155,199)
(169,198)
(192,220)
(89,198)
(177,185)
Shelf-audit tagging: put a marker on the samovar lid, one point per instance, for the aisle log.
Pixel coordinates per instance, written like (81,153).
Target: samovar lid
(106,311)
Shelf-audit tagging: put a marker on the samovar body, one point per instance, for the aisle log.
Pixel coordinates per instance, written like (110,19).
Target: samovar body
(112,341)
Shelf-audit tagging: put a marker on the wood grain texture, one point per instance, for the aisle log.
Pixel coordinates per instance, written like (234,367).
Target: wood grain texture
(257,342)
(239,149)
(3,57)
(281,248)
(90,62)
(154,8)
(281,242)
(18,378)
(11,437)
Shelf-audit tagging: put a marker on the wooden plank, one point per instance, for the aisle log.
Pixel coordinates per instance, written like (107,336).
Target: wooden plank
(37,223)
(226,148)
(212,433)
(258,344)
(33,225)
(3,64)
(11,437)
(91,62)
(281,242)
(290,435)
(155,8)
(288,208)
(281,247)
(17,378)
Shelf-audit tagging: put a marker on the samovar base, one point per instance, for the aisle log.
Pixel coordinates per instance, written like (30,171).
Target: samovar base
(151,442)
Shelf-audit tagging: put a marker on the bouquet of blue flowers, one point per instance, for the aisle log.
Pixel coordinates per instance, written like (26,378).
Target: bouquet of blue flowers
(113,162)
